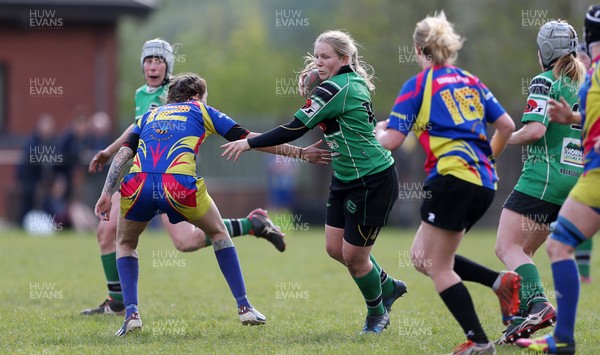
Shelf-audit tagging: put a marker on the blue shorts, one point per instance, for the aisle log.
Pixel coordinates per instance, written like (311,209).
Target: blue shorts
(181,197)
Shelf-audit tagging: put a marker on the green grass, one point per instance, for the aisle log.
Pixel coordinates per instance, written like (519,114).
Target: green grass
(187,308)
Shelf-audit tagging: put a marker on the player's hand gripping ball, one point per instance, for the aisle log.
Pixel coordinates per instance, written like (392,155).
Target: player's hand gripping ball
(309,82)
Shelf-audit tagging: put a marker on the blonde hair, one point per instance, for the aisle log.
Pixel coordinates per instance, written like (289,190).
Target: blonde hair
(437,39)
(571,67)
(343,44)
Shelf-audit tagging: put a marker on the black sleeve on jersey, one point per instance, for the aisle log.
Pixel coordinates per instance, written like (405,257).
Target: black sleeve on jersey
(540,86)
(235,133)
(280,134)
(326,91)
(132,141)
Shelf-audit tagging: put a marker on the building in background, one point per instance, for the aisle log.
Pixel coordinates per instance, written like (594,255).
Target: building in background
(58,57)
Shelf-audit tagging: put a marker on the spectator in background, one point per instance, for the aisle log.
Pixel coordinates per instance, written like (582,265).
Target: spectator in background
(99,133)
(72,144)
(99,136)
(34,173)
(282,182)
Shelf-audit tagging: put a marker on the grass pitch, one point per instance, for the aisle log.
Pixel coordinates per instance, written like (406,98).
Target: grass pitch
(311,303)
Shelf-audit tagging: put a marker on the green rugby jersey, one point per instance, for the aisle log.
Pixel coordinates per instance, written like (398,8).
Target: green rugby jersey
(341,107)
(555,161)
(146,98)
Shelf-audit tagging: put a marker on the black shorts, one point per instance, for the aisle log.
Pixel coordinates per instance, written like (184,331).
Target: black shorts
(364,202)
(533,208)
(454,204)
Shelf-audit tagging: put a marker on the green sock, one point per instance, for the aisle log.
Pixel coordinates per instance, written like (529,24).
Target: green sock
(109,262)
(387,284)
(583,254)
(531,290)
(237,226)
(370,287)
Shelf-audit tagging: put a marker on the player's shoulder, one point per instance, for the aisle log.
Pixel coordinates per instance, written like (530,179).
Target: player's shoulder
(541,84)
(141,89)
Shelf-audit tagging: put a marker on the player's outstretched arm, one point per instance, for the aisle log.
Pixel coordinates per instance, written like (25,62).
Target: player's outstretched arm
(504,126)
(103,156)
(274,141)
(312,153)
(530,133)
(390,139)
(103,205)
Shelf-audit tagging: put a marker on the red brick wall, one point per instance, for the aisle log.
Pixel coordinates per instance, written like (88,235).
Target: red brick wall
(76,61)
(61,71)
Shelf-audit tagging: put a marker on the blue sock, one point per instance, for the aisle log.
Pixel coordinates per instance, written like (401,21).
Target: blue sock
(566,283)
(230,267)
(128,274)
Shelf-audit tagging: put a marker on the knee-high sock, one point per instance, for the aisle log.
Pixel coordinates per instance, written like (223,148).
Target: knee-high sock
(230,267)
(387,283)
(468,270)
(566,283)
(370,287)
(109,263)
(236,227)
(129,272)
(459,302)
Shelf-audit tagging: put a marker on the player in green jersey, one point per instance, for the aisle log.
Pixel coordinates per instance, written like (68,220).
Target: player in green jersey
(157,62)
(554,162)
(364,185)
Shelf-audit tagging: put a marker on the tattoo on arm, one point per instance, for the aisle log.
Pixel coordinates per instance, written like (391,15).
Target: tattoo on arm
(223,244)
(116,169)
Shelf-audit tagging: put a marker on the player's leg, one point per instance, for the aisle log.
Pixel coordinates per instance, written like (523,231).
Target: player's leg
(576,223)
(212,224)
(454,206)
(519,236)
(106,234)
(356,250)
(139,206)
(391,288)
(187,238)
(334,238)
(128,233)
(434,250)
(195,205)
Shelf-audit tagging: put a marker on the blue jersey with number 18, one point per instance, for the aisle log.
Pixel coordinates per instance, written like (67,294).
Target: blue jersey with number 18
(448,108)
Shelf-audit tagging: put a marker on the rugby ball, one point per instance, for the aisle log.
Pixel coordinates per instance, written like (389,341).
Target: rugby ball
(310,82)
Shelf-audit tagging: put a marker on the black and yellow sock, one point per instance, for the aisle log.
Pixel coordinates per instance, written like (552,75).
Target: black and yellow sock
(109,263)
(387,283)
(370,287)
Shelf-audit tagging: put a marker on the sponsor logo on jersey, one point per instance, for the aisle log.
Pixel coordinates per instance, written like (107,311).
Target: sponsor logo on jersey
(312,109)
(536,106)
(572,152)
